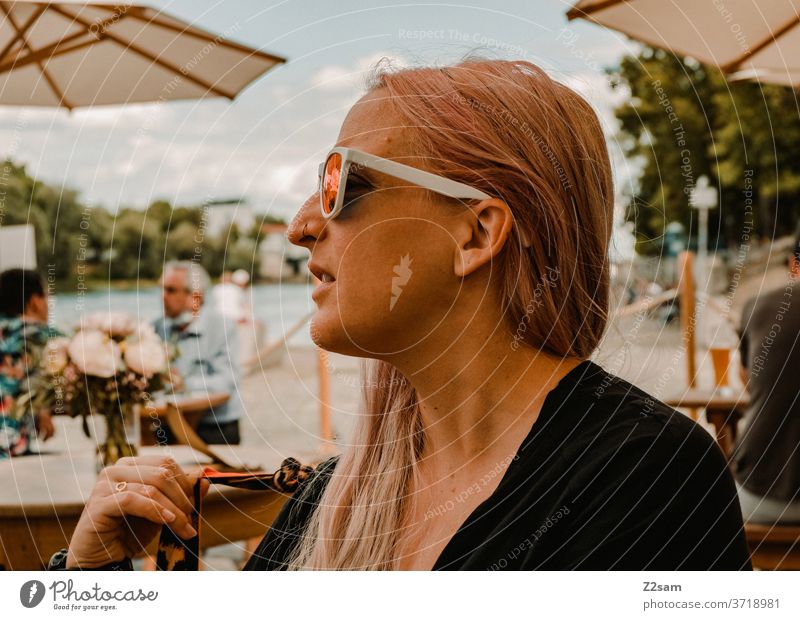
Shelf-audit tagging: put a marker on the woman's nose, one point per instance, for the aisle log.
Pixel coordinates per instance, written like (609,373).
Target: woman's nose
(307,226)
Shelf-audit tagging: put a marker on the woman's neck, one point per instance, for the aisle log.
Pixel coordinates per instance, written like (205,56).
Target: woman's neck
(483,394)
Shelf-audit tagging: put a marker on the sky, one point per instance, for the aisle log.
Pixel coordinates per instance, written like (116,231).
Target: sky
(265,146)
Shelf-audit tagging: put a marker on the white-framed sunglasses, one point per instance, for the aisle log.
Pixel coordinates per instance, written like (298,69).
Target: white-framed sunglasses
(334,170)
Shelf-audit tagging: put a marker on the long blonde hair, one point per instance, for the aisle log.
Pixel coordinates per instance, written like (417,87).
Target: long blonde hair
(507,128)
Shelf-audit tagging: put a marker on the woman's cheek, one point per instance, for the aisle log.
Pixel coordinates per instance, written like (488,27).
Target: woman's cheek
(391,281)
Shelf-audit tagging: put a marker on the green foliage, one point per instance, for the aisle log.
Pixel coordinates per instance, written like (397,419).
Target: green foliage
(228,252)
(192,215)
(182,241)
(160,212)
(75,242)
(683,120)
(137,246)
(54,212)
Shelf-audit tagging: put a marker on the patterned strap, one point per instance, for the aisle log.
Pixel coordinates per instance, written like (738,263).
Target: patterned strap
(175,553)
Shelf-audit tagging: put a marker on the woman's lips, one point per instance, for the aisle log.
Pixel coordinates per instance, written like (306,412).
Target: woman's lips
(324,278)
(320,274)
(321,288)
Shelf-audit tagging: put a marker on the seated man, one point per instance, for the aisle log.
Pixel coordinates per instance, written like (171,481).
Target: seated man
(23,335)
(766,458)
(207,356)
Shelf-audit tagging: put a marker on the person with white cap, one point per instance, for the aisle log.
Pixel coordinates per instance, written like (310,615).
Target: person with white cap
(241,278)
(229,296)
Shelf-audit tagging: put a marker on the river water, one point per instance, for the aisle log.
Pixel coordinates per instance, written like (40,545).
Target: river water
(279,306)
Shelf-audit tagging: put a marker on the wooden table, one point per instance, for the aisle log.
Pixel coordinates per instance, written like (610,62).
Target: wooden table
(42,497)
(774,547)
(723,411)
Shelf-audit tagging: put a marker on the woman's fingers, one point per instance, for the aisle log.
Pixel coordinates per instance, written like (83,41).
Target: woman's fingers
(159,461)
(179,475)
(175,486)
(159,477)
(147,502)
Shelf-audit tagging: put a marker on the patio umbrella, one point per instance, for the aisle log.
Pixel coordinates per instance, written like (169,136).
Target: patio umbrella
(757,39)
(74,54)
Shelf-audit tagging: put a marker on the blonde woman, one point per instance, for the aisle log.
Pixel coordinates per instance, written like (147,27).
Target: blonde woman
(460,232)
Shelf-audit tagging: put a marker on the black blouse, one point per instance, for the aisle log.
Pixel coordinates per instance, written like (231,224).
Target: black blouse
(608,478)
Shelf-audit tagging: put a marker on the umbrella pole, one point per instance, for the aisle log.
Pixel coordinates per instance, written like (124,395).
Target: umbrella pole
(687,307)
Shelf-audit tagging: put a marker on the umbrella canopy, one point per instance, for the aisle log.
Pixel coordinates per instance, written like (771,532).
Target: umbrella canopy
(757,39)
(74,54)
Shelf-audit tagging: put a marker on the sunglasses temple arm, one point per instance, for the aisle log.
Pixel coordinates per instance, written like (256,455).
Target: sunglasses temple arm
(428,180)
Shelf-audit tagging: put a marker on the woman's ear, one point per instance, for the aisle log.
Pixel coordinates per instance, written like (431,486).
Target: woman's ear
(486,227)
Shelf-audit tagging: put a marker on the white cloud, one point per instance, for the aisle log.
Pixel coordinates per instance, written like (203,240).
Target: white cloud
(331,77)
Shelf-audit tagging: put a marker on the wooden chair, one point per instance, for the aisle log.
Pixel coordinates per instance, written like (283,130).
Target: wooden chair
(774,547)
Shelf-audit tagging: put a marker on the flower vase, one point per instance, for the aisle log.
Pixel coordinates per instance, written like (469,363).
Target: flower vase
(123,435)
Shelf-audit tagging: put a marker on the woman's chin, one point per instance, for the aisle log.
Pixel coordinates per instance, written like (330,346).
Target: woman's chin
(328,334)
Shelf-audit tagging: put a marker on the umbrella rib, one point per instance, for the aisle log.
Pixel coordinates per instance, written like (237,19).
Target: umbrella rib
(772,37)
(59,47)
(20,32)
(576,12)
(138,50)
(200,34)
(54,87)
(47,78)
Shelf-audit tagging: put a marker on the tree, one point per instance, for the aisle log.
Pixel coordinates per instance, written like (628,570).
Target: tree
(243,255)
(759,136)
(160,212)
(55,214)
(683,120)
(182,241)
(74,240)
(137,246)
(192,215)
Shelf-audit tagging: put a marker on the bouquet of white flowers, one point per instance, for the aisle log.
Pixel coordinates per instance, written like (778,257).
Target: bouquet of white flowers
(110,366)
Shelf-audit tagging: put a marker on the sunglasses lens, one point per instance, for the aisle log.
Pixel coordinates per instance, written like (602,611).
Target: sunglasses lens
(330,182)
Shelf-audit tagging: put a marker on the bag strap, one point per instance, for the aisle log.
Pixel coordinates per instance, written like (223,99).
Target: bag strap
(175,553)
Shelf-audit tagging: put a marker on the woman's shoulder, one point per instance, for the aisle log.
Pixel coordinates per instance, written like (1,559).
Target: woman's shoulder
(609,417)
(617,402)
(630,468)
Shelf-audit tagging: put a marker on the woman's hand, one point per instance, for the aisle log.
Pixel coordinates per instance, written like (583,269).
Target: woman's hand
(121,519)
